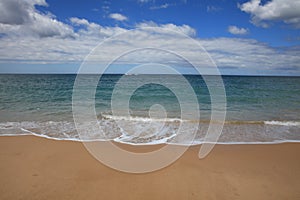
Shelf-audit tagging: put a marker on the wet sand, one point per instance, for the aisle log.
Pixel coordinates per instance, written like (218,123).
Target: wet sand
(39,168)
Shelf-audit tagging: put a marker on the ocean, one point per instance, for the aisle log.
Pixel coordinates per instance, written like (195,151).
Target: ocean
(258,109)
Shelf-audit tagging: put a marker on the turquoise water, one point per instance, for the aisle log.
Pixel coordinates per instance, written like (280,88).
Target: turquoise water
(259,109)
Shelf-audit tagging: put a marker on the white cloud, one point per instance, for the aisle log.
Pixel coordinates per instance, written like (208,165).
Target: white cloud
(77,21)
(17,12)
(287,11)
(231,53)
(163,6)
(46,26)
(62,43)
(20,18)
(185,29)
(93,30)
(118,17)
(237,31)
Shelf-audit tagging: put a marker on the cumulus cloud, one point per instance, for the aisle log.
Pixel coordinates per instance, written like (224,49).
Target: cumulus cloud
(237,31)
(251,54)
(274,10)
(185,29)
(20,18)
(118,16)
(77,21)
(63,43)
(16,12)
(94,30)
(234,53)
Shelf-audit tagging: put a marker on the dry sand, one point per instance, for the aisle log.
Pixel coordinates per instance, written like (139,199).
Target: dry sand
(38,168)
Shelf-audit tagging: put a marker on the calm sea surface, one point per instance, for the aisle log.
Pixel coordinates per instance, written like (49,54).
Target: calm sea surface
(258,109)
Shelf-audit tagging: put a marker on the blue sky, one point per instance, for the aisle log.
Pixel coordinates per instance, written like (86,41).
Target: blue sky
(243,37)
(210,18)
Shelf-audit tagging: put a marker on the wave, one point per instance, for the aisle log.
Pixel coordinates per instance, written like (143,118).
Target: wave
(141,119)
(283,123)
(164,131)
(146,119)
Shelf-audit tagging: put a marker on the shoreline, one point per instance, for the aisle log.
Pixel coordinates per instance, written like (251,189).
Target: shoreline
(38,168)
(153,144)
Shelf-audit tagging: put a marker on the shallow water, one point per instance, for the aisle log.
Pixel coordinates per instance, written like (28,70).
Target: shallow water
(259,109)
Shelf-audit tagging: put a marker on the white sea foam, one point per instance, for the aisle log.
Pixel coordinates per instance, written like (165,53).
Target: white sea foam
(234,143)
(137,132)
(283,123)
(153,142)
(194,143)
(140,119)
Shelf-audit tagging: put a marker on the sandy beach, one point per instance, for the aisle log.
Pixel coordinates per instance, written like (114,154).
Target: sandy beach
(38,168)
